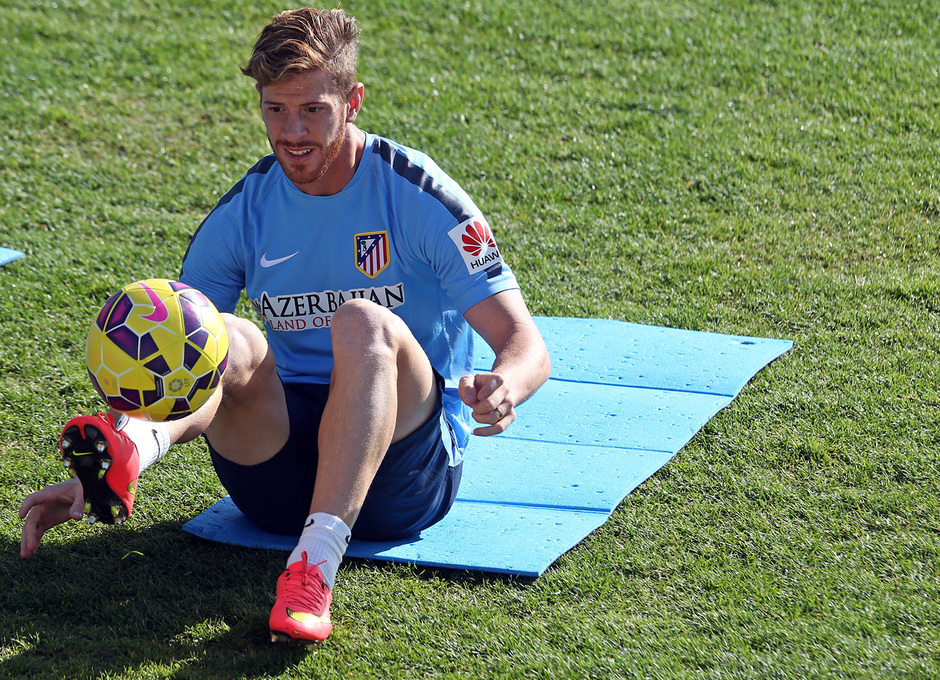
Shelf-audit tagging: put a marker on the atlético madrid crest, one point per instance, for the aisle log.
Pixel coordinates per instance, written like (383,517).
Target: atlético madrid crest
(372,253)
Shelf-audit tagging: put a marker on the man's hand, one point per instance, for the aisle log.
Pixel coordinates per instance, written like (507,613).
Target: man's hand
(520,367)
(489,397)
(47,508)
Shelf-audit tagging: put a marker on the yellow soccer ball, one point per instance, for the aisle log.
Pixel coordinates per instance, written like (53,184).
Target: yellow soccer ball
(157,350)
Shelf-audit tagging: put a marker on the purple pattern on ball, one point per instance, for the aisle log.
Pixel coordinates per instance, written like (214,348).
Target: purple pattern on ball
(151,397)
(158,365)
(148,347)
(180,410)
(191,355)
(125,340)
(197,298)
(121,405)
(105,310)
(201,383)
(131,396)
(192,318)
(199,338)
(120,310)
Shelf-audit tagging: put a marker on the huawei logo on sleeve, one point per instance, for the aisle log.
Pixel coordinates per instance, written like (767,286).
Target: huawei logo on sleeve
(477,247)
(477,238)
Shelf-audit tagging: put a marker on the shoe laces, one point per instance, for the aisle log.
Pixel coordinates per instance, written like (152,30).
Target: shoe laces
(306,590)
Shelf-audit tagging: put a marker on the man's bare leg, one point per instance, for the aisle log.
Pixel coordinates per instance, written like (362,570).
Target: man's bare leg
(250,422)
(383,389)
(246,419)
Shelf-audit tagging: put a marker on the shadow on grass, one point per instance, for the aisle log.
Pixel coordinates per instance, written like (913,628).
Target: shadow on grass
(123,599)
(157,601)
(455,576)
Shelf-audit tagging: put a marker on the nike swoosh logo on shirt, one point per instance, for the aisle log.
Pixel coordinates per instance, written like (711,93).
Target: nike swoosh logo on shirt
(265,262)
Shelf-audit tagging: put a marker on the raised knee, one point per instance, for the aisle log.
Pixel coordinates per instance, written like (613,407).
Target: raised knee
(248,351)
(361,327)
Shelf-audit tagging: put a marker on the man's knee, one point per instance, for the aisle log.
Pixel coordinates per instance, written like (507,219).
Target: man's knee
(248,355)
(363,328)
(251,423)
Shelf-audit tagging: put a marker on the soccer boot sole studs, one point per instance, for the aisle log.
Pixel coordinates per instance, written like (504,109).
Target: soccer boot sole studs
(85,455)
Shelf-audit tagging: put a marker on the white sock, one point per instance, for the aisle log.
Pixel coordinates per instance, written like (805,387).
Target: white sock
(151,439)
(324,539)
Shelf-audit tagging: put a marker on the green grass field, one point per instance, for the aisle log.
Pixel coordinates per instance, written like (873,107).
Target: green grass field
(760,168)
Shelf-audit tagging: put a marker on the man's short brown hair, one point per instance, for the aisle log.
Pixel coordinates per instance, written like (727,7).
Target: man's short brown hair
(306,40)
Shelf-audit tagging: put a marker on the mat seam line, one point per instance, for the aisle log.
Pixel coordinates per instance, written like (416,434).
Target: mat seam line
(536,506)
(646,387)
(469,456)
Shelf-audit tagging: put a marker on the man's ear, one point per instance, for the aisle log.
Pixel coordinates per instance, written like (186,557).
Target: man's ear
(354,102)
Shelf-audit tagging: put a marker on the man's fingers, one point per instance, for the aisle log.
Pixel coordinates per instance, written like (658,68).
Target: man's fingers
(31,527)
(490,399)
(482,392)
(46,508)
(77,511)
(487,385)
(467,391)
(28,504)
(494,415)
(494,421)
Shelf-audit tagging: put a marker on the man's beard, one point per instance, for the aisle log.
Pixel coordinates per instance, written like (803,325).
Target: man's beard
(303,176)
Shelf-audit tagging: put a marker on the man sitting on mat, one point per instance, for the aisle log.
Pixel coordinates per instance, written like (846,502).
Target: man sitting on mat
(368,266)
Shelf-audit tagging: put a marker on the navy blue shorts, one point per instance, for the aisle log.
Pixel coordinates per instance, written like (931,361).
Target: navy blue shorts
(413,489)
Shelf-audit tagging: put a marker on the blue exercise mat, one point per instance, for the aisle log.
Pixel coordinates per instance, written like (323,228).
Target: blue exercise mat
(7,255)
(622,400)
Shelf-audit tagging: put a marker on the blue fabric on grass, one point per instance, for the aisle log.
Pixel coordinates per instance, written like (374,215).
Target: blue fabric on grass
(622,400)
(7,255)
